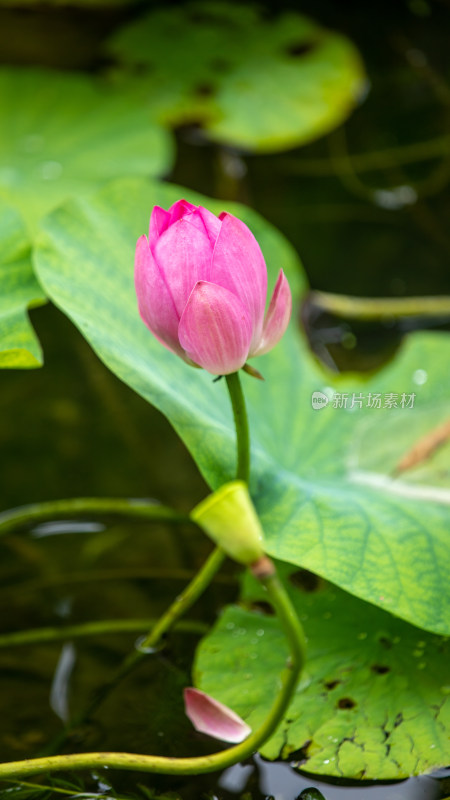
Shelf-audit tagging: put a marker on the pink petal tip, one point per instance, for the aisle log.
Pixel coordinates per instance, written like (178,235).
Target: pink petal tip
(213,718)
(277,317)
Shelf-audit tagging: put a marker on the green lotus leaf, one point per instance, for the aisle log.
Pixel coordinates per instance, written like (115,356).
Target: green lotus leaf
(63,133)
(325,482)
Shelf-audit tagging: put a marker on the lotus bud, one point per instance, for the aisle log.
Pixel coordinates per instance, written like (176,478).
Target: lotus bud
(201,285)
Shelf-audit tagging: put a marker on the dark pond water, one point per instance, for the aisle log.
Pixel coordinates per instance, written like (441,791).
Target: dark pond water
(72,429)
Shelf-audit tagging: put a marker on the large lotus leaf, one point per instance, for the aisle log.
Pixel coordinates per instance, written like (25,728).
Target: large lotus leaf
(373,701)
(19,290)
(61,133)
(256,83)
(326,503)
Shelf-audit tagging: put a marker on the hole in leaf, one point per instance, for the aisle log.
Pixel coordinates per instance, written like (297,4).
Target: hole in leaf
(204,90)
(331,684)
(385,642)
(305,580)
(346,702)
(299,49)
(262,607)
(302,753)
(380,669)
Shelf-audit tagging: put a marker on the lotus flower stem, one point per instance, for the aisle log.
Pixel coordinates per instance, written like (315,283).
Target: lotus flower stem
(202,764)
(241,425)
(181,604)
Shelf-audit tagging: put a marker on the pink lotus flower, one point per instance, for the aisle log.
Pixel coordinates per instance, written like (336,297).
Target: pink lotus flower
(201,284)
(213,718)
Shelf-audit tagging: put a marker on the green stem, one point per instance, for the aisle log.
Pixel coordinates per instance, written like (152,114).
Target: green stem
(97,628)
(180,605)
(241,424)
(37,512)
(200,764)
(378,308)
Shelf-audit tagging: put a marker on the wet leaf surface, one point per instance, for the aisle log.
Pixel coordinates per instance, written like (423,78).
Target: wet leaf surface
(373,702)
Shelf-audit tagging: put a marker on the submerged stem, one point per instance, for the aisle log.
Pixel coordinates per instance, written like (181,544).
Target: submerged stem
(378,308)
(55,509)
(85,630)
(201,764)
(241,424)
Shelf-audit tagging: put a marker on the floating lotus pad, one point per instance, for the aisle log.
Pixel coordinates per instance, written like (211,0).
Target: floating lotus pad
(373,702)
(257,83)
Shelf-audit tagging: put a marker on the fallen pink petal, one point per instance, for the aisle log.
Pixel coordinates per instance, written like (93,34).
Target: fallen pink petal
(213,718)
(201,285)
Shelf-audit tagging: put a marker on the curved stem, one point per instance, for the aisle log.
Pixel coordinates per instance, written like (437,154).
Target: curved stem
(368,308)
(180,605)
(200,764)
(37,512)
(241,424)
(96,628)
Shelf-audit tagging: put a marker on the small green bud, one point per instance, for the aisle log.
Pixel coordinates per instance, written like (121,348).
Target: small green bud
(229,518)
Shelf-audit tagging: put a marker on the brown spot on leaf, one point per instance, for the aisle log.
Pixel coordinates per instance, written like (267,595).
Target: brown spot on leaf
(204,90)
(331,684)
(346,702)
(299,49)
